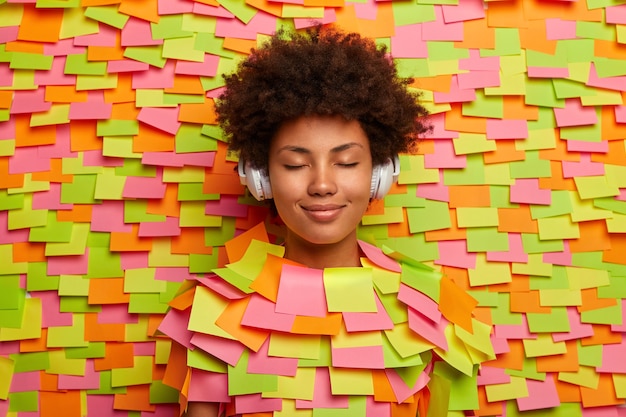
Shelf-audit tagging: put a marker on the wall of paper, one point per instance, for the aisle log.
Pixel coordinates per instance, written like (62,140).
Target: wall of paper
(115,186)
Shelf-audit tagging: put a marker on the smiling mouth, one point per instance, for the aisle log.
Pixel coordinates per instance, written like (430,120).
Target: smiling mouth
(323,213)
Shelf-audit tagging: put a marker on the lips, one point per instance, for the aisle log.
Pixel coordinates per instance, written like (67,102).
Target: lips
(323,212)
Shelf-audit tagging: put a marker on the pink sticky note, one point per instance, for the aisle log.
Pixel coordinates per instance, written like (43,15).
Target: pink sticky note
(126,65)
(174,6)
(400,389)
(610,83)
(547,72)
(261,313)
(105,36)
(330,16)
(6,76)
(557,29)
(55,75)
(261,363)
(454,253)
(173,159)
(362,357)
(221,287)
(96,159)
(583,146)
(25,381)
(11,236)
(207,386)
(91,379)
(109,217)
(621,327)
(95,108)
(169,227)
(51,310)
(514,331)
(444,157)
(407,42)
(138,32)
(63,47)
(144,348)
(578,330)
(8,34)
(27,159)
(613,358)
(165,119)
(145,187)
(516,252)
(301,292)
(475,62)
(559,258)
(479,79)
(456,94)
(155,78)
(227,205)
(102,406)
(438,123)
(322,394)
(172,274)
(527,191)
(375,408)
(377,256)
(429,330)
(226,350)
(262,22)
(615,14)
(366,10)
(489,375)
(575,114)
(441,30)
(29,101)
(541,394)
(133,260)
(464,10)
(174,324)
(507,129)
(115,314)
(254,403)
(583,168)
(69,265)
(419,302)
(363,322)
(207,68)
(50,199)
(437,191)
(208,10)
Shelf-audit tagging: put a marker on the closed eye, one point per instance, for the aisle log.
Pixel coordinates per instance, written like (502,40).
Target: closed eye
(349,165)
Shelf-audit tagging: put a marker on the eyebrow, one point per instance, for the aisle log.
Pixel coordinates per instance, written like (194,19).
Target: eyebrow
(336,149)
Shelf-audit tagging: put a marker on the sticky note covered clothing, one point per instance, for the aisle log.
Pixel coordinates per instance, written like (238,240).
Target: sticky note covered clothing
(266,335)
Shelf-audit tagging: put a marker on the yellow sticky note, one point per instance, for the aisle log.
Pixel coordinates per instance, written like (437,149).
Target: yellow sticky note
(585,377)
(580,278)
(76,245)
(7,366)
(516,388)
(534,266)
(192,215)
(344,381)
(477,216)
(162,255)
(595,187)
(61,365)
(543,345)
(468,143)
(406,342)
(299,387)
(479,340)
(31,323)
(486,273)
(413,171)
(584,210)
(207,307)
(68,336)
(386,281)
(357,282)
(456,355)
(140,373)
(294,346)
(356,339)
(560,297)
(557,227)
(390,215)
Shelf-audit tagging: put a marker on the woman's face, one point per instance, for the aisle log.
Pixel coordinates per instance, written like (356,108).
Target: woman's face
(320,170)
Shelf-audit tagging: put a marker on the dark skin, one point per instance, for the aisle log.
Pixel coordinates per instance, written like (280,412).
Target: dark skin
(196,409)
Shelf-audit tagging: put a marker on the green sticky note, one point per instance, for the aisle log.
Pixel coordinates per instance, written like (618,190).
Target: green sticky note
(107,14)
(560,204)
(192,215)
(176,99)
(606,315)
(412,171)
(37,278)
(105,385)
(58,114)
(140,373)
(501,314)
(408,13)
(477,216)
(594,30)
(394,360)
(33,361)
(75,23)
(410,199)
(109,186)
(557,321)
(13,317)
(241,382)
(74,335)
(26,217)
(423,279)
(357,405)
(169,27)
(463,388)
(162,394)
(433,216)
(487,239)
(152,55)
(472,174)
(468,143)
(62,365)
(199,264)
(104,264)
(488,273)
(196,23)
(76,244)
(242,11)
(7,367)
(182,48)
(135,211)
(589,355)
(141,280)
(53,231)
(532,244)
(24,401)
(588,133)
(10,292)
(117,127)
(557,280)
(11,201)
(85,82)
(559,227)
(412,67)
(29,325)
(76,64)
(541,92)
(189,138)
(484,106)
(197,358)
(615,289)
(528,371)
(30,61)
(532,167)
(355,281)
(119,147)
(507,43)
(80,190)
(92,350)
(9,267)
(213,131)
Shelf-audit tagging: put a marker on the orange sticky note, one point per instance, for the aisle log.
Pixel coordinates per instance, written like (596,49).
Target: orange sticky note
(60,403)
(137,398)
(130,242)
(198,113)
(191,240)
(516,220)
(235,248)
(455,304)
(230,321)
(29,252)
(116,355)
(266,283)
(329,325)
(25,135)
(103,332)
(143,9)
(40,24)
(80,213)
(107,291)
(469,196)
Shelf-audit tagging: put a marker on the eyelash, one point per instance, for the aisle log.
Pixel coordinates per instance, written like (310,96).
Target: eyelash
(295,167)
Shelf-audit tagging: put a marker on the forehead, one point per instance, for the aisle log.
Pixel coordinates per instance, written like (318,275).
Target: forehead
(320,134)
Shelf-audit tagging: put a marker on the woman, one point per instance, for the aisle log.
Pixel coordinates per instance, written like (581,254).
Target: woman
(325,324)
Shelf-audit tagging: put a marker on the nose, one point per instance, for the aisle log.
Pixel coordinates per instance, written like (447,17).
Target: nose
(323,181)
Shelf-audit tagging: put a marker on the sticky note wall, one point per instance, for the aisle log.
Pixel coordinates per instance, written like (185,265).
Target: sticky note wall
(115,186)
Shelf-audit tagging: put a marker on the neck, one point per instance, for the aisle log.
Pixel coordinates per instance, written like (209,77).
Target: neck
(341,254)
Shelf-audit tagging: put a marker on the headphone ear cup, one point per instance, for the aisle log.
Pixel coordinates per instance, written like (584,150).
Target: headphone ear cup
(256,180)
(383,176)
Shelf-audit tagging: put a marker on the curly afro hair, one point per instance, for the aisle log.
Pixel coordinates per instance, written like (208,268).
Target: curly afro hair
(321,71)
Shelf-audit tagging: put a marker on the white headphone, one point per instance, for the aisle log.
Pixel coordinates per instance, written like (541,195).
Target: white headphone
(257,181)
